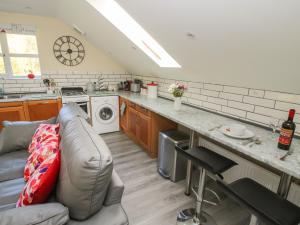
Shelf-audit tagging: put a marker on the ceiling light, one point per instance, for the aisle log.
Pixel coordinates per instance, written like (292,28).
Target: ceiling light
(114,13)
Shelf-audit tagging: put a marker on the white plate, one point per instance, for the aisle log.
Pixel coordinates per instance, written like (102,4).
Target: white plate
(226,130)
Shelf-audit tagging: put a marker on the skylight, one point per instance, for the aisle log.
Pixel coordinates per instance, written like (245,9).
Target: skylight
(114,13)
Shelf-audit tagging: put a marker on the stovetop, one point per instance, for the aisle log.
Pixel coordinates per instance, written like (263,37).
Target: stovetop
(72,91)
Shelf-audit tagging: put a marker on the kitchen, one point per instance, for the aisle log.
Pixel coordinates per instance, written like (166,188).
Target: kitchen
(226,85)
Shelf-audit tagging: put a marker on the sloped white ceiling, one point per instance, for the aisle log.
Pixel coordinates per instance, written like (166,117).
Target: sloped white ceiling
(253,43)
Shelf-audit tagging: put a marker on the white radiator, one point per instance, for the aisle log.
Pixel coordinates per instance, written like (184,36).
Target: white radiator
(246,168)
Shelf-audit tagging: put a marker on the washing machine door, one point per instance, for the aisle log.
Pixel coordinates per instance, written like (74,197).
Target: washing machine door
(106,113)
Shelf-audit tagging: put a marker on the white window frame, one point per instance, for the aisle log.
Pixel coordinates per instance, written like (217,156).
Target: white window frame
(6,55)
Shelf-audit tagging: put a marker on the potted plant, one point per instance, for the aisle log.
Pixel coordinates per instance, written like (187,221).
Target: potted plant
(177,90)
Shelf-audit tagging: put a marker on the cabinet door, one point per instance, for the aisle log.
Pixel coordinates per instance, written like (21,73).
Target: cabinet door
(44,109)
(144,131)
(12,114)
(124,117)
(132,121)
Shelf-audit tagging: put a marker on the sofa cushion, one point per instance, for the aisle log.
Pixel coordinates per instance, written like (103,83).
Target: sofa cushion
(86,168)
(12,165)
(17,135)
(10,191)
(43,134)
(109,215)
(68,113)
(42,182)
(45,214)
(44,143)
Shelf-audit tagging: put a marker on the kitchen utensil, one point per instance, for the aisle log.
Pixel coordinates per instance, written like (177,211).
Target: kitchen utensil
(285,155)
(135,87)
(256,141)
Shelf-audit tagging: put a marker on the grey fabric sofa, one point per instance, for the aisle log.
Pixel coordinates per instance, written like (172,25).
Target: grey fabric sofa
(88,191)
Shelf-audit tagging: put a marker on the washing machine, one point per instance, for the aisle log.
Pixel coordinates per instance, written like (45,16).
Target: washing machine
(105,114)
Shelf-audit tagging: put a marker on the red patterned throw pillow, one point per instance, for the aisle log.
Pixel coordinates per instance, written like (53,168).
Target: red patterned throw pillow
(44,143)
(45,132)
(42,181)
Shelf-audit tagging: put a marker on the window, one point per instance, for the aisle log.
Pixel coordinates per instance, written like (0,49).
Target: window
(19,55)
(114,13)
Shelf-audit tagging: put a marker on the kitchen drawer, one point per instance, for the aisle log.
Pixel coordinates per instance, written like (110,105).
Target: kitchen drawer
(143,110)
(10,104)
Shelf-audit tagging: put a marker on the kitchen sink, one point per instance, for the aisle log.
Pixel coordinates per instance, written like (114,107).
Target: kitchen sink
(12,96)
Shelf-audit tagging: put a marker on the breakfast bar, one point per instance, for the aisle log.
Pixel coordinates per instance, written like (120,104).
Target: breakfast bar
(206,125)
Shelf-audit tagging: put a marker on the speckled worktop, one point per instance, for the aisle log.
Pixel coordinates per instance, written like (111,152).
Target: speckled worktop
(202,121)
(33,96)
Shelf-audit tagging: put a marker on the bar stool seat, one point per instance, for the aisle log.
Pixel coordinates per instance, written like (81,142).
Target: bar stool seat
(266,205)
(207,159)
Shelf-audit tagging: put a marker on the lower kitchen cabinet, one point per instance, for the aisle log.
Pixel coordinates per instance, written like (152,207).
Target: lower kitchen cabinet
(143,126)
(29,110)
(12,112)
(144,130)
(43,109)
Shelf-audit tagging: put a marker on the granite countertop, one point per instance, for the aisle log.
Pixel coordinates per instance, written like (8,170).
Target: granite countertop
(32,96)
(202,121)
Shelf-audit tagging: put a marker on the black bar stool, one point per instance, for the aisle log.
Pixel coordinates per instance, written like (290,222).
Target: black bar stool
(206,161)
(265,205)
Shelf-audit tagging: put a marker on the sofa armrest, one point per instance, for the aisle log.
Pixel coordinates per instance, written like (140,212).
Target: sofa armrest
(43,214)
(115,190)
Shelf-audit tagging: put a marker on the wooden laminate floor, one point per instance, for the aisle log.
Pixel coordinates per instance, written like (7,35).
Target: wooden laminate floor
(150,199)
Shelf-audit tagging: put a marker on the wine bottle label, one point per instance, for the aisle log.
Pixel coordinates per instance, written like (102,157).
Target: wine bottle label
(285,136)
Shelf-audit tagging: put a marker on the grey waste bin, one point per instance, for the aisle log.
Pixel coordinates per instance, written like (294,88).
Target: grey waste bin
(170,164)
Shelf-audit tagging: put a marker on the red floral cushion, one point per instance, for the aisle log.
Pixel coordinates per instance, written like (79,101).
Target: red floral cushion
(44,147)
(42,182)
(44,132)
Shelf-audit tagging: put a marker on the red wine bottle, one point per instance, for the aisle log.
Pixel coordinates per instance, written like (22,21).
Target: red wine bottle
(287,132)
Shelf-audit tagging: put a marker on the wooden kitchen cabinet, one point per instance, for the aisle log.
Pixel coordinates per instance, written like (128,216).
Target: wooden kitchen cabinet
(11,113)
(29,110)
(144,130)
(143,126)
(43,109)
(132,121)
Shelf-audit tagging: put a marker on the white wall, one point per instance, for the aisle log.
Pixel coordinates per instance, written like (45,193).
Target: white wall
(48,30)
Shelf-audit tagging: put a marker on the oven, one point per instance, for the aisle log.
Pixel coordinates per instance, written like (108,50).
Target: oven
(78,96)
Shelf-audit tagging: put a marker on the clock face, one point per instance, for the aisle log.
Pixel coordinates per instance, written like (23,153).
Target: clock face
(68,50)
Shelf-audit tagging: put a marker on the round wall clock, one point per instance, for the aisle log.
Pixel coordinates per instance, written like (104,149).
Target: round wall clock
(68,50)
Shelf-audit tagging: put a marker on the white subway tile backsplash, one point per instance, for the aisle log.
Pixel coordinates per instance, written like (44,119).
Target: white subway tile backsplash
(232,111)
(195,102)
(213,87)
(218,101)
(195,85)
(236,90)
(210,93)
(285,97)
(271,112)
(230,96)
(240,105)
(259,101)
(194,90)
(287,106)
(256,93)
(211,106)
(258,118)
(199,97)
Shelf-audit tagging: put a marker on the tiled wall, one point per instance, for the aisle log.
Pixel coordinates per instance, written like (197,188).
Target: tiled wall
(258,106)
(62,79)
